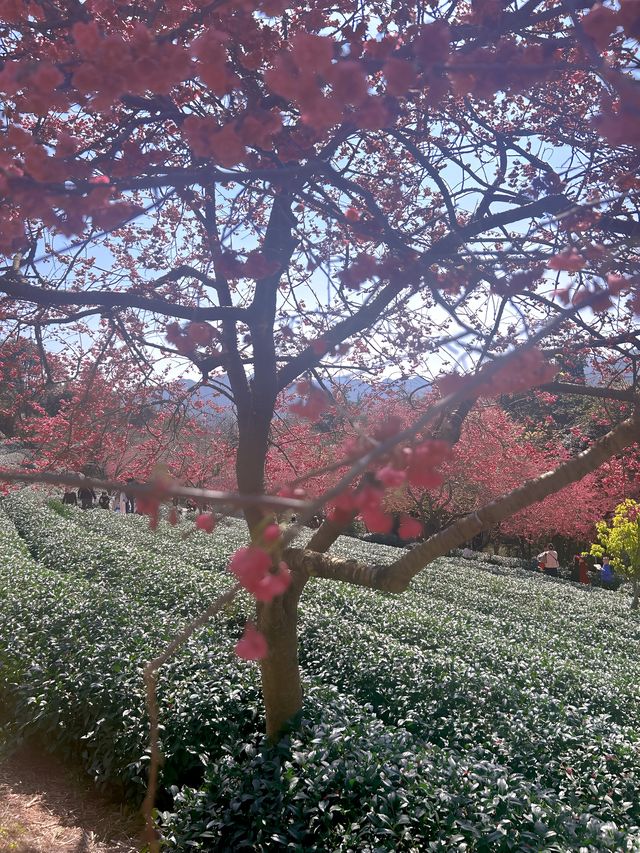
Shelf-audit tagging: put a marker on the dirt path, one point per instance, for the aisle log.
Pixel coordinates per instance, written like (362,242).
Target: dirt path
(47,808)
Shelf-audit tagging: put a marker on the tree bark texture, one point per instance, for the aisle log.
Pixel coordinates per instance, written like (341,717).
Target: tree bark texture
(281,682)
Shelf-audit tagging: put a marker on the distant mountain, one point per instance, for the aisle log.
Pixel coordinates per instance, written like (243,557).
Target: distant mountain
(356,387)
(207,393)
(352,386)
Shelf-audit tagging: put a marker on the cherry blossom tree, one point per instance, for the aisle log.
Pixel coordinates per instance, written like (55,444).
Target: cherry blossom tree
(107,416)
(28,383)
(267,192)
(493,453)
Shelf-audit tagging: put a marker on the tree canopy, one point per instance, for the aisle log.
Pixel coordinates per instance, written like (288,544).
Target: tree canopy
(298,177)
(270,193)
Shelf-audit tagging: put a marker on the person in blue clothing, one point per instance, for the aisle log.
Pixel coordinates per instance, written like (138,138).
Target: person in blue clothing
(606,573)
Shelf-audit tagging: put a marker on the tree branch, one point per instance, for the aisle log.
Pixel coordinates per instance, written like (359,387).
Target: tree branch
(625,395)
(398,576)
(415,273)
(151,489)
(449,430)
(334,568)
(150,683)
(326,535)
(17,288)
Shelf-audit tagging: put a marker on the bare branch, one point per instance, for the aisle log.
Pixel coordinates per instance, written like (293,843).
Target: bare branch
(623,394)
(150,682)
(151,489)
(415,274)
(325,536)
(17,288)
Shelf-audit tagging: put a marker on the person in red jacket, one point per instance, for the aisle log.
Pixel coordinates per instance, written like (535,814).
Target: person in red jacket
(584,571)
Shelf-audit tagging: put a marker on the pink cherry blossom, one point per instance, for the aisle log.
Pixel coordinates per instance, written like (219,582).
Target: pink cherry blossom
(206,522)
(253,568)
(252,645)
(271,533)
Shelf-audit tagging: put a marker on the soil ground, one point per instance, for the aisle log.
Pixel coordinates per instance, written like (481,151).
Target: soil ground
(46,807)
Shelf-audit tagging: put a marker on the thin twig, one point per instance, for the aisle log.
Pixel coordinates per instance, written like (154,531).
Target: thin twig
(168,489)
(150,683)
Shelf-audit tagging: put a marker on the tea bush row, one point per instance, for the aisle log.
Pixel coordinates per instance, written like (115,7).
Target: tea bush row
(109,556)
(535,714)
(72,650)
(183,542)
(427,746)
(345,781)
(473,712)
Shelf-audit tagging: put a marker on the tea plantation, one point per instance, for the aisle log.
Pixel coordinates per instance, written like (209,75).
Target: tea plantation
(486,709)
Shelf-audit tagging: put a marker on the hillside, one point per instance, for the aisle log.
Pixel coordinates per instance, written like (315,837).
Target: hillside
(483,710)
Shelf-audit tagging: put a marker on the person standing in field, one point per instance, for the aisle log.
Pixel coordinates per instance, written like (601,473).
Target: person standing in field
(87,497)
(131,500)
(606,575)
(120,503)
(584,571)
(549,561)
(575,571)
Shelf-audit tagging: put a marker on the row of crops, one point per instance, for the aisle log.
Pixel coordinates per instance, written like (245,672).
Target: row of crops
(482,710)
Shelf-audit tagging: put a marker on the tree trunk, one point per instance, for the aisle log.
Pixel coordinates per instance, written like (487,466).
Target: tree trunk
(636,594)
(281,683)
(278,619)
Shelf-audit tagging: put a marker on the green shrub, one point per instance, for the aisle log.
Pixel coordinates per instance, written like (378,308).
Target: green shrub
(485,709)
(88,544)
(72,651)
(346,782)
(65,510)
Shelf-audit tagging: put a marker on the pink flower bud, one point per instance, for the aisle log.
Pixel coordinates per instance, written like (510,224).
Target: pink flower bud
(206,522)
(271,532)
(252,645)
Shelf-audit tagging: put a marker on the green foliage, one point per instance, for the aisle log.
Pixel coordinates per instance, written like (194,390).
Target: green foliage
(65,510)
(486,709)
(347,782)
(620,540)
(79,625)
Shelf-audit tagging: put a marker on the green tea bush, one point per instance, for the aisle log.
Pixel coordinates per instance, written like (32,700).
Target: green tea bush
(183,542)
(72,652)
(535,724)
(488,708)
(492,559)
(89,544)
(346,782)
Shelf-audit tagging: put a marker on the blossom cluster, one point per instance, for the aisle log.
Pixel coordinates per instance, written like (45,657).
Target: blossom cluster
(261,573)
(405,466)
(286,94)
(525,369)
(186,339)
